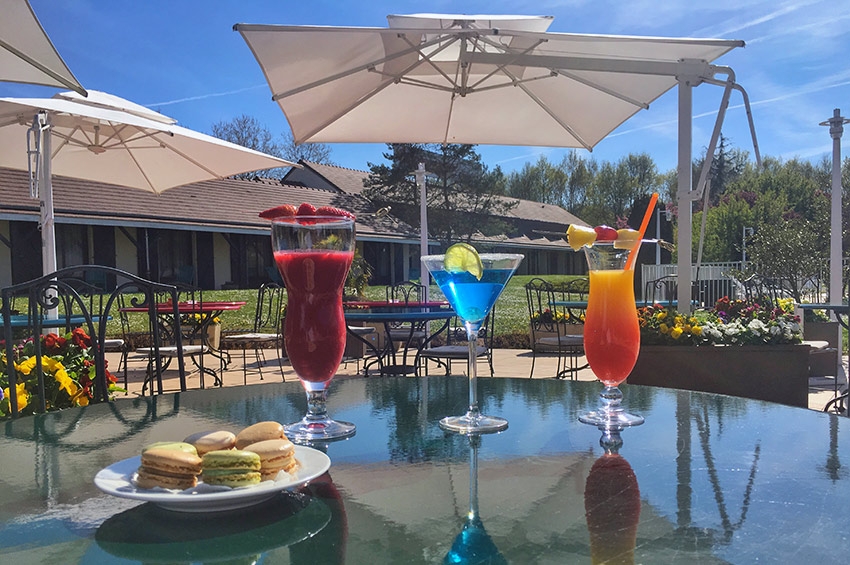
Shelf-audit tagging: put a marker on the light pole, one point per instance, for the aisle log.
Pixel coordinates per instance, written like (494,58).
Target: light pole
(746,233)
(668,215)
(836,130)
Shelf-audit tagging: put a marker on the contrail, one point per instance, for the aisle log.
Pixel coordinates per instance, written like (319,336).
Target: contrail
(205,96)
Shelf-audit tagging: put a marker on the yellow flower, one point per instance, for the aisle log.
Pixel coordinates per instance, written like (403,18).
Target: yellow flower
(676,332)
(663,328)
(65,382)
(80,398)
(25,367)
(661,315)
(696,330)
(23,395)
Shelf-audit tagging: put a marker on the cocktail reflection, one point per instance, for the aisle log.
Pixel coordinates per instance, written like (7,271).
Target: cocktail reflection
(612,505)
(473,544)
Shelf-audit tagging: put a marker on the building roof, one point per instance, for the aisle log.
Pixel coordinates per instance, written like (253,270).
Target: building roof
(229,205)
(534,223)
(350,181)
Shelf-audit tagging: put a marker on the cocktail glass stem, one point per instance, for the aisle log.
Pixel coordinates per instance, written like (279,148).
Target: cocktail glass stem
(473,422)
(472,338)
(317,409)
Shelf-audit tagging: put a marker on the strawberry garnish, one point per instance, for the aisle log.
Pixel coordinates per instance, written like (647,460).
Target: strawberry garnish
(282,211)
(332,211)
(306,209)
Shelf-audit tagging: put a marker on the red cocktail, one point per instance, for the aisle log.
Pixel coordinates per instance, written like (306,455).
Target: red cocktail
(313,254)
(315,324)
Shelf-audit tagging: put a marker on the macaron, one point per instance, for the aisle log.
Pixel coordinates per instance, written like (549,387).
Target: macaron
(212,441)
(260,431)
(168,468)
(231,467)
(178,445)
(275,455)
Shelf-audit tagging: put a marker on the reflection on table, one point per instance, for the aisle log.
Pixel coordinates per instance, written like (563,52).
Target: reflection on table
(720,479)
(391,358)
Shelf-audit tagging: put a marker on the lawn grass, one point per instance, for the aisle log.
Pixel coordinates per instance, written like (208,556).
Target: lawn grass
(511,309)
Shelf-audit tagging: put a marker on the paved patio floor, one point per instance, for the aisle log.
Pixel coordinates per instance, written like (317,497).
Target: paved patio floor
(506,363)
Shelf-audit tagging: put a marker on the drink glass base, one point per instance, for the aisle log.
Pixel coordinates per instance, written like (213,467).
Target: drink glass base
(471,423)
(310,430)
(610,420)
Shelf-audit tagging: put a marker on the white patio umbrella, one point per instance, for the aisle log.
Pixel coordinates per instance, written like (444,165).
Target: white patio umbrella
(26,53)
(432,78)
(108,139)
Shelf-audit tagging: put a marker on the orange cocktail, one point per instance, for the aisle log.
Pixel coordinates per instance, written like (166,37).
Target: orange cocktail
(611,330)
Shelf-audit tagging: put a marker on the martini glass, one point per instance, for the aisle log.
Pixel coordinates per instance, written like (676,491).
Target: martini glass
(611,332)
(473,544)
(313,254)
(472,299)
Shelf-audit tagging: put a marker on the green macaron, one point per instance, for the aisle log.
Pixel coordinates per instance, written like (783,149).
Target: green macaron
(233,468)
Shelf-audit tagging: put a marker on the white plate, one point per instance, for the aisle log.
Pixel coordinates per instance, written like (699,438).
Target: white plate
(117,480)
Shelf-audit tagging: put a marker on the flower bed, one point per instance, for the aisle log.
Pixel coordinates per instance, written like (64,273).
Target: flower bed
(69,368)
(737,348)
(730,322)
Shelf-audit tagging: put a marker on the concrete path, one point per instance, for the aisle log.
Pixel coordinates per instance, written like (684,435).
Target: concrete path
(506,363)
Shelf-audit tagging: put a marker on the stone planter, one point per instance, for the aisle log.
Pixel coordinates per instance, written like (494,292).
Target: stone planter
(776,373)
(823,363)
(569,329)
(214,335)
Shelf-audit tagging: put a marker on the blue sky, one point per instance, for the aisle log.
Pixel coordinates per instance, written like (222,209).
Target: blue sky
(183,59)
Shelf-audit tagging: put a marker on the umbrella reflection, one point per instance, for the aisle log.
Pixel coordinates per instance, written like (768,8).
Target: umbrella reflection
(473,544)
(612,505)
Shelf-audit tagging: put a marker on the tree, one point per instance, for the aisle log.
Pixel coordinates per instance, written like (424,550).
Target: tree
(580,173)
(313,152)
(540,182)
(790,253)
(248,132)
(458,185)
(726,166)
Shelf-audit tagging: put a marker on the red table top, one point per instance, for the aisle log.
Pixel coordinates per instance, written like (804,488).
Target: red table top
(191,307)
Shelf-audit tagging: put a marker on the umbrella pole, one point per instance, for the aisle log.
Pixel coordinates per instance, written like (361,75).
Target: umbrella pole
(424,277)
(685,235)
(48,229)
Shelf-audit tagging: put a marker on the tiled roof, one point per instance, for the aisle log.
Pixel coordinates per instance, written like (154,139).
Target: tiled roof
(350,181)
(228,205)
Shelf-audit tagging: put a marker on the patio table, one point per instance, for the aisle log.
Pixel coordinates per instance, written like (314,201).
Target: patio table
(716,479)
(418,315)
(206,311)
(22,321)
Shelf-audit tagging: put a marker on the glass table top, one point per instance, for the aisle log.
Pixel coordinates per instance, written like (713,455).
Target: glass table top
(707,478)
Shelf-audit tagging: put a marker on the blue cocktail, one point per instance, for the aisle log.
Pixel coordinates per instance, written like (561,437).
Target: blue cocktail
(473,298)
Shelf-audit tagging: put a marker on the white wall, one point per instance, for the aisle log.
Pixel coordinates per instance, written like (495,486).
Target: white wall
(126,254)
(221,250)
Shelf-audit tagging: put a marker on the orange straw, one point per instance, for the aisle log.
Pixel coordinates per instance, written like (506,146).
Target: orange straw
(646,217)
